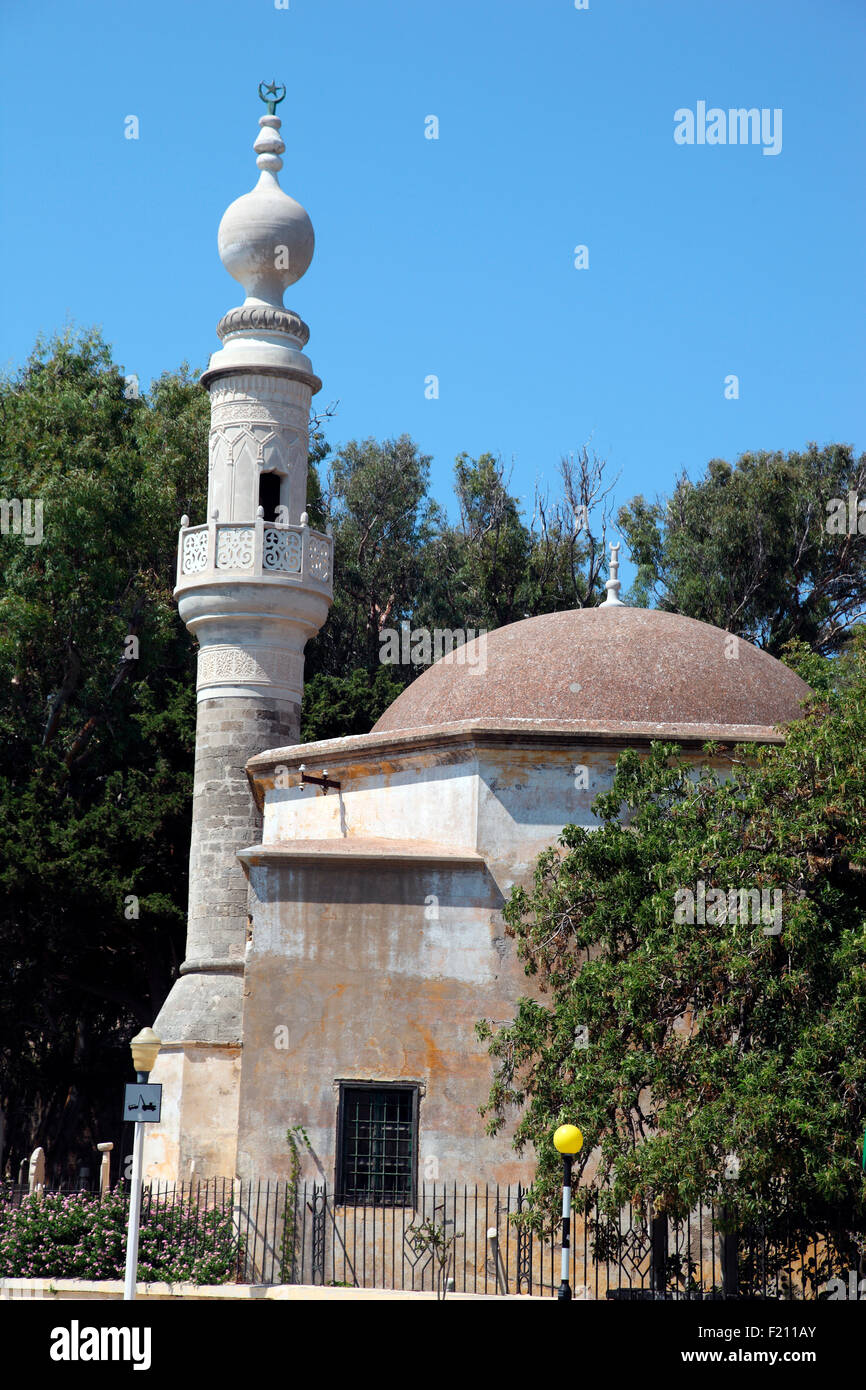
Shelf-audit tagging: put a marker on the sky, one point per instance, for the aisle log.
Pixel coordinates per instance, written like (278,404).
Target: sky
(455,257)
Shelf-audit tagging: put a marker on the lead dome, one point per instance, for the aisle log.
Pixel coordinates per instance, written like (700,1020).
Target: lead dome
(613,667)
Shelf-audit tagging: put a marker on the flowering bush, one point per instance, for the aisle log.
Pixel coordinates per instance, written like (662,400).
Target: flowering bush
(79,1236)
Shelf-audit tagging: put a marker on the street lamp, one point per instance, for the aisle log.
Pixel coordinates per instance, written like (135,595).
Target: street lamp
(569,1141)
(145,1049)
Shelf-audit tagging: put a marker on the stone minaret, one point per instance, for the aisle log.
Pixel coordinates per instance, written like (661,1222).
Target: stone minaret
(254,584)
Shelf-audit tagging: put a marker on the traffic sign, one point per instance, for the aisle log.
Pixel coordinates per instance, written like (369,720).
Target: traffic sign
(142,1104)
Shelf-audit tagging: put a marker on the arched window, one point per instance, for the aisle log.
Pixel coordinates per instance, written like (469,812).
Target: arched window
(269,494)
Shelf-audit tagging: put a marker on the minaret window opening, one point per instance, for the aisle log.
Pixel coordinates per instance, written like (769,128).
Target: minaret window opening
(269,494)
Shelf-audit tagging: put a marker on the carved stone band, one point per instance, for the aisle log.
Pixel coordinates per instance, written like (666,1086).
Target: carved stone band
(260,413)
(265,319)
(253,666)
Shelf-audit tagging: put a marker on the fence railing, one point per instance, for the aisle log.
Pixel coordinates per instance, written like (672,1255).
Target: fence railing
(478,1240)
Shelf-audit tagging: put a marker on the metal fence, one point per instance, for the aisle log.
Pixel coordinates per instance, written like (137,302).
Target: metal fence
(479,1240)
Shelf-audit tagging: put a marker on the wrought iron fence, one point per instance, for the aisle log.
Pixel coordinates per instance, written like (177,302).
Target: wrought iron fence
(479,1240)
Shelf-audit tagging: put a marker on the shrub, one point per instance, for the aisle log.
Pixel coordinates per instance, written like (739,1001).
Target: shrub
(79,1236)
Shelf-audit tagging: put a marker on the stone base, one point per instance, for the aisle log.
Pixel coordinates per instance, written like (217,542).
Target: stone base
(201,1021)
(204,1007)
(199,1123)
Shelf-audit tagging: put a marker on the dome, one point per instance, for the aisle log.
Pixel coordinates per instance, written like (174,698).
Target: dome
(608,667)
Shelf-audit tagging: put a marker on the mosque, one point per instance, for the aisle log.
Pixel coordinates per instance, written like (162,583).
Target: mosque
(345,931)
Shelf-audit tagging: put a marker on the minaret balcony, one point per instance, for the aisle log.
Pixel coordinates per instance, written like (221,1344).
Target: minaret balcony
(264,551)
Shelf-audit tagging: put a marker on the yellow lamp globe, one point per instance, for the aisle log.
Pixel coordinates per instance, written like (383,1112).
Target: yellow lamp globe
(145,1049)
(568,1139)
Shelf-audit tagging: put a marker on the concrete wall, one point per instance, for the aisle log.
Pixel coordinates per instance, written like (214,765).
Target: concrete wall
(379,969)
(384,801)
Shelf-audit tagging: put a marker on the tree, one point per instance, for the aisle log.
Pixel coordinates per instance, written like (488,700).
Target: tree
(705,1040)
(748,547)
(493,547)
(339,706)
(376,499)
(97,714)
(568,564)
(494,568)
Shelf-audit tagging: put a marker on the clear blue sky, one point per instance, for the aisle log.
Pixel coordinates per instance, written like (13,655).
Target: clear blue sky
(455,256)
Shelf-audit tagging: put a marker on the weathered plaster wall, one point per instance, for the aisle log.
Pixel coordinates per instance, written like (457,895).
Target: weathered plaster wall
(378,970)
(433,795)
(378,967)
(367,986)
(526,797)
(199,1121)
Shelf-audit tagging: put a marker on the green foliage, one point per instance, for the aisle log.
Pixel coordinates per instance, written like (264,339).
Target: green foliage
(431,1237)
(494,547)
(337,706)
(747,548)
(398,558)
(95,744)
(377,501)
(704,1041)
(80,1236)
(295,1136)
(494,569)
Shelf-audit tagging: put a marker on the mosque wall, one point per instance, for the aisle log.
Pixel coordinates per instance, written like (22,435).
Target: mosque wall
(372,963)
(430,795)
(373,972)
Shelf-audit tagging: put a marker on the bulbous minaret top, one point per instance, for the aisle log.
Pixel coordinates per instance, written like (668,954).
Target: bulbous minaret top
(266,243)
(256,539)
(265,237)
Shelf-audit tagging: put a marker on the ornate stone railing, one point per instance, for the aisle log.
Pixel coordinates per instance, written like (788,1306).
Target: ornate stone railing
(254,550)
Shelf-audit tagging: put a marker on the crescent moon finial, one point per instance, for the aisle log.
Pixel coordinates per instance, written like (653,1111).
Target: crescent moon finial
(272,93)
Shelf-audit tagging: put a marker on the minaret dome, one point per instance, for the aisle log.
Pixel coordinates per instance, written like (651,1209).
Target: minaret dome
(266,238)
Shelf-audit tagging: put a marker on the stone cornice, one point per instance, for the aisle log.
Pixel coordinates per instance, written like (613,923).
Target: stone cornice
(369,752)
(366,849)
(257,367)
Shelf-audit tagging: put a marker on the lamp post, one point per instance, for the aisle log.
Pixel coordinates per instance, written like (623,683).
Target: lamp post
(569,1141)
(145,1049)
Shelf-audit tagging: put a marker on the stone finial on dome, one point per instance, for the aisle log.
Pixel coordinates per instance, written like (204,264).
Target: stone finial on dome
(613,584)
(265,237)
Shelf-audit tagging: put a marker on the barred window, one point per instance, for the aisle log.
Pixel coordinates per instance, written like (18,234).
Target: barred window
(377,1130)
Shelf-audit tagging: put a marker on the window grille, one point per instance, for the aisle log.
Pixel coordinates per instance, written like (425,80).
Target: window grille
(376,1154)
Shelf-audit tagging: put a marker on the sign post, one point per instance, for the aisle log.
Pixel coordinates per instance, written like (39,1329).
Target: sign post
(142,1104)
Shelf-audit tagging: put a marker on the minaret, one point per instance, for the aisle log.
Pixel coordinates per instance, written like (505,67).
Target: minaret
(254,584)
